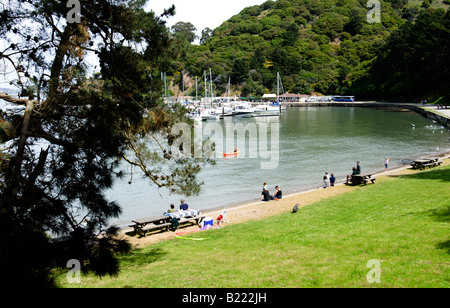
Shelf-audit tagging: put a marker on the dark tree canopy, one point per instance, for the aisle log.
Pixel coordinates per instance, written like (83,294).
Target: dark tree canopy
(186,30)
(64,148)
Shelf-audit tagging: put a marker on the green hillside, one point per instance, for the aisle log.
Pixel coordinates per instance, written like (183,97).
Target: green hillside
(325,46)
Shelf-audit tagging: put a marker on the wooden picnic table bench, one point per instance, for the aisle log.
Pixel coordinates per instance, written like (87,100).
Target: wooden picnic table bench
(426,162)
(163,222)
(359,179)
(152,223)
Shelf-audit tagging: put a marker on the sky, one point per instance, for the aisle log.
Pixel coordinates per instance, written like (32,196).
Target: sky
(202,13)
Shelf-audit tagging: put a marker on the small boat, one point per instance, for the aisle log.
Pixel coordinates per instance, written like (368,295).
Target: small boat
(209,114)
(230,154)
(243,110)
(225,111)
(266,110)
(196,117)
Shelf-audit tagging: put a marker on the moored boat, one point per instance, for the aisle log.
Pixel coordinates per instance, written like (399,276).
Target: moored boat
(266,110)
(243,110)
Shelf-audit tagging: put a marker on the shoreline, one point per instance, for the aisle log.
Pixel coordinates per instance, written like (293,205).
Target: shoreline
(246,210)
(256,210)
(427,111)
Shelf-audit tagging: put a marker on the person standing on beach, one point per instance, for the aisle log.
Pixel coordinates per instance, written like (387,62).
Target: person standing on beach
(325,181)
(358,168)
(332,180)
(386,164)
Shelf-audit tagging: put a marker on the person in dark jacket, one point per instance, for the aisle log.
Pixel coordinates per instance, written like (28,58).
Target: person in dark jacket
(265,196)
(278,193)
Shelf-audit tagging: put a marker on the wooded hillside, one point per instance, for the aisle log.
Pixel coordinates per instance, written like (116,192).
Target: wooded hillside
(329,47)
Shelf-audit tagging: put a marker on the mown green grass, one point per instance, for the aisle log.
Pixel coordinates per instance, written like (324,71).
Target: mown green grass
(403,223)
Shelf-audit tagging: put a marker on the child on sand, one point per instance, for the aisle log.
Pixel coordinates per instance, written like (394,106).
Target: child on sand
(325,182)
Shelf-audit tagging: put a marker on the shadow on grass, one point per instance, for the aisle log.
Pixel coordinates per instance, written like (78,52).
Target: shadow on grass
(142,256)
(440,173)
(445,246)
(441,214)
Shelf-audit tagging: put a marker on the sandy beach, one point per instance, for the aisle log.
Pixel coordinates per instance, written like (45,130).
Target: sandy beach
(260,210)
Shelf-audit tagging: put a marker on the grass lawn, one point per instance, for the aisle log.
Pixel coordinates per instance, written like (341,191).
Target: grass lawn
(403,223)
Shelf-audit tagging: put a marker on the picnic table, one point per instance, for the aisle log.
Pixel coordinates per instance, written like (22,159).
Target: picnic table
(426,162)
(143,226)
(359,179)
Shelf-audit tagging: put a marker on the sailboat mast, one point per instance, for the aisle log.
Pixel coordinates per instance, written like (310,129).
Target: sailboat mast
(278,91)
(210,84)
(205,87)
(182,73)
(229,88)
(166,95)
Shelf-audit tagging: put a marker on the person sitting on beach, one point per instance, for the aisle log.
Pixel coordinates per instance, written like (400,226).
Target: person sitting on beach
(278,193)
(332,180)
(265,196)
(172,209)
(183,206)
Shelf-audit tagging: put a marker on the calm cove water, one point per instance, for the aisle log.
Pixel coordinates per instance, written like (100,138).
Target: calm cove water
(301,146)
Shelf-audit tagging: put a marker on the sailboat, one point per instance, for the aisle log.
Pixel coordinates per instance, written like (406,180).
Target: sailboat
(274,109)
(226,108)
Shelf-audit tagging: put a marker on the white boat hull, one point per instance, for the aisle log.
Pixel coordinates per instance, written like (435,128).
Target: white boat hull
(266,114)
(266,110)
(243,114)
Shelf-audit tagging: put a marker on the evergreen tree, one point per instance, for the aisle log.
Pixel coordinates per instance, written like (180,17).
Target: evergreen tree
(64,149)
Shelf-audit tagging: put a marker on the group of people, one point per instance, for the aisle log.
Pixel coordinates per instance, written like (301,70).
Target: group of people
(328,180)
(183,207)
(266,196)
(355,171)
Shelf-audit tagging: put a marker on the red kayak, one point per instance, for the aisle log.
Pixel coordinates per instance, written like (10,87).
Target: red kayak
(230,154)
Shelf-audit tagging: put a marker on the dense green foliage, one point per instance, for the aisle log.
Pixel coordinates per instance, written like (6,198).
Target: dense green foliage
(325,46)
(69,143)
(415,61)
